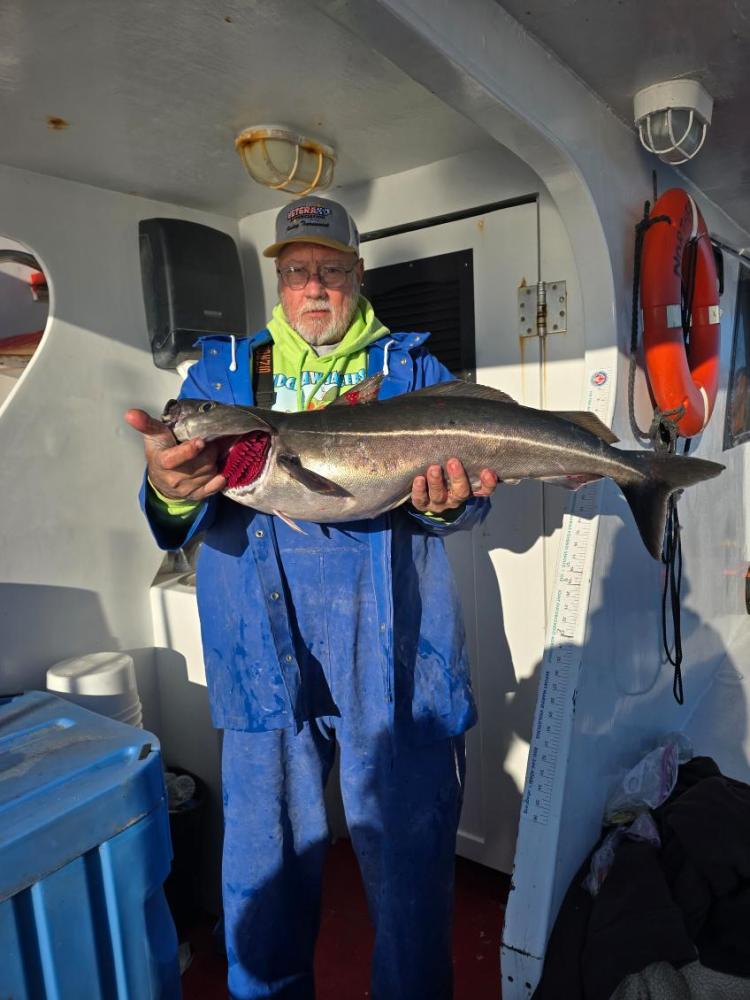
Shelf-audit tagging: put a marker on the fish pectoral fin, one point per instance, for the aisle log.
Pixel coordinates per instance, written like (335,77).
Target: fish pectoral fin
(363,392)
(287,520)
(398,502)
(470,390)
(310,480)
(589,422)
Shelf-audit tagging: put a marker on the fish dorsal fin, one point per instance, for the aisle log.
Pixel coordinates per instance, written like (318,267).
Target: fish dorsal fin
(469,390)
(589,422)
(364,392)
(309,479)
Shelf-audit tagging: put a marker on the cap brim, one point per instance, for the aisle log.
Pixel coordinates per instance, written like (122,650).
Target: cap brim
(275,249)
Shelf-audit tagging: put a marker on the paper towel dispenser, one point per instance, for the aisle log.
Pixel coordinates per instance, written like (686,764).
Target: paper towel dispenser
(192,286)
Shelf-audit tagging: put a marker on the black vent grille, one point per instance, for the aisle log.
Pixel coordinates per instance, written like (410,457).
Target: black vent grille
(435,294)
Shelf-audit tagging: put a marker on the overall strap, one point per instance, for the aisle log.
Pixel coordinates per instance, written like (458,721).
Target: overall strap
(264,394)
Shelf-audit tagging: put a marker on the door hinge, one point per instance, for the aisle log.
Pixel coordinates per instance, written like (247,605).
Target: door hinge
(543,308)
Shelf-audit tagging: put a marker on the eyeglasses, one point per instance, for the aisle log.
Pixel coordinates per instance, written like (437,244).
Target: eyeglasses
(329,275)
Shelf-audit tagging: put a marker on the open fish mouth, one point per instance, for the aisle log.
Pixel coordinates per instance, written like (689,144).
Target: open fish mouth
(170,413)
(245,458)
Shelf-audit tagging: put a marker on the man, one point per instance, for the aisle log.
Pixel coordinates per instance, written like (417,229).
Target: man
(349,633)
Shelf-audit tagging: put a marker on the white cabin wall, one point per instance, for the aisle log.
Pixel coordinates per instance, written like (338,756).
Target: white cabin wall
(77,556)
(624,700)
(485,65)
(490,69)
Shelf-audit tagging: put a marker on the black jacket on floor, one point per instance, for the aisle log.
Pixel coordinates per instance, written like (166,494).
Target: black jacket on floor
(690,899)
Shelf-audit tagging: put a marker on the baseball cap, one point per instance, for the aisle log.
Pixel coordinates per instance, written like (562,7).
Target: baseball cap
(314,220)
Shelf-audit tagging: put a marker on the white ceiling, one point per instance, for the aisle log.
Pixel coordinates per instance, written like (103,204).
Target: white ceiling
(155,91)
(619,46)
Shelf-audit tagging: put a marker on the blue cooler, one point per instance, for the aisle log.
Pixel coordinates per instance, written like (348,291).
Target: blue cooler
(84,852)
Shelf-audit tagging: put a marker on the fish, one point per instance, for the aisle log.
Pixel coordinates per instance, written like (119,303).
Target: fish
(357,457)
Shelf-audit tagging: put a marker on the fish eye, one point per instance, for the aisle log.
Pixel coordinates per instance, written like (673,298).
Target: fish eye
(205,407)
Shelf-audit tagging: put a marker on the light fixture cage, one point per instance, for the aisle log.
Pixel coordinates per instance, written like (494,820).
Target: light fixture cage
(284,160)
(672,119)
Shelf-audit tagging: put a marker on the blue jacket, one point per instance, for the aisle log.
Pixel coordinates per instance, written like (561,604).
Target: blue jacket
(399,609)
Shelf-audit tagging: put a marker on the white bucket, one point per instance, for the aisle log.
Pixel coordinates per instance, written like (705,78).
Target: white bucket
(102,682)
(103,674)
(134,718)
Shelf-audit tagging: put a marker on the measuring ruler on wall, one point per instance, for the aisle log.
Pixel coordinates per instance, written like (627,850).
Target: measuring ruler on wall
(567,627)
(528,916)
(562,656)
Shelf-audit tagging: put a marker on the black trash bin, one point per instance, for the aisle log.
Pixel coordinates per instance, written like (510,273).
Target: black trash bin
(182,887)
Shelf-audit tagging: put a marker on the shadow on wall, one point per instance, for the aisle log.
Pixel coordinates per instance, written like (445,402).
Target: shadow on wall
(254,270)
(624,702)
(627,622)
(492,790)
(521,515)
(625,631)
(623,705)
(41,625)
(189,740)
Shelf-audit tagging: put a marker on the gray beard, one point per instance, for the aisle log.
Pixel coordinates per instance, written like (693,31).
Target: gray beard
(334,329)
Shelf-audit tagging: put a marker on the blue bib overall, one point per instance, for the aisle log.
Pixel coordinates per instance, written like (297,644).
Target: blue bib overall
(402,802)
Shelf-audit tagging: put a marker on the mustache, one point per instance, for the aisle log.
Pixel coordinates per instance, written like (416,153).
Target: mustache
(316,305)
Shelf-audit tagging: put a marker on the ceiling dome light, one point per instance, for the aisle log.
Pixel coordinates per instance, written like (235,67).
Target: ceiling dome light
(284,160)
(673,119)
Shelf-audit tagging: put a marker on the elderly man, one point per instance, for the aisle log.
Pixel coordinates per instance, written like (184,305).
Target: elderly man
(347,634)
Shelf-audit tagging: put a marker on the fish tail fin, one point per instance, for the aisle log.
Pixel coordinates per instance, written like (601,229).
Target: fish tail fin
(649,498)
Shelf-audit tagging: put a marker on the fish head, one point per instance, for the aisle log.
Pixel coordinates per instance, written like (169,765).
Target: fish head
(206,419)
(243,436)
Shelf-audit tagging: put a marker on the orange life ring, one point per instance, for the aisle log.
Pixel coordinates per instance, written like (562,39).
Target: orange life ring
(681,380)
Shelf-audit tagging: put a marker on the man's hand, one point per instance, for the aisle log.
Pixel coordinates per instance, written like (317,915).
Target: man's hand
(436,492)
(186,471)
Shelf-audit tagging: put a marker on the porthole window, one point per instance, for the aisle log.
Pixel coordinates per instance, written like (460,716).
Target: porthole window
(737,424)
(24,305)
